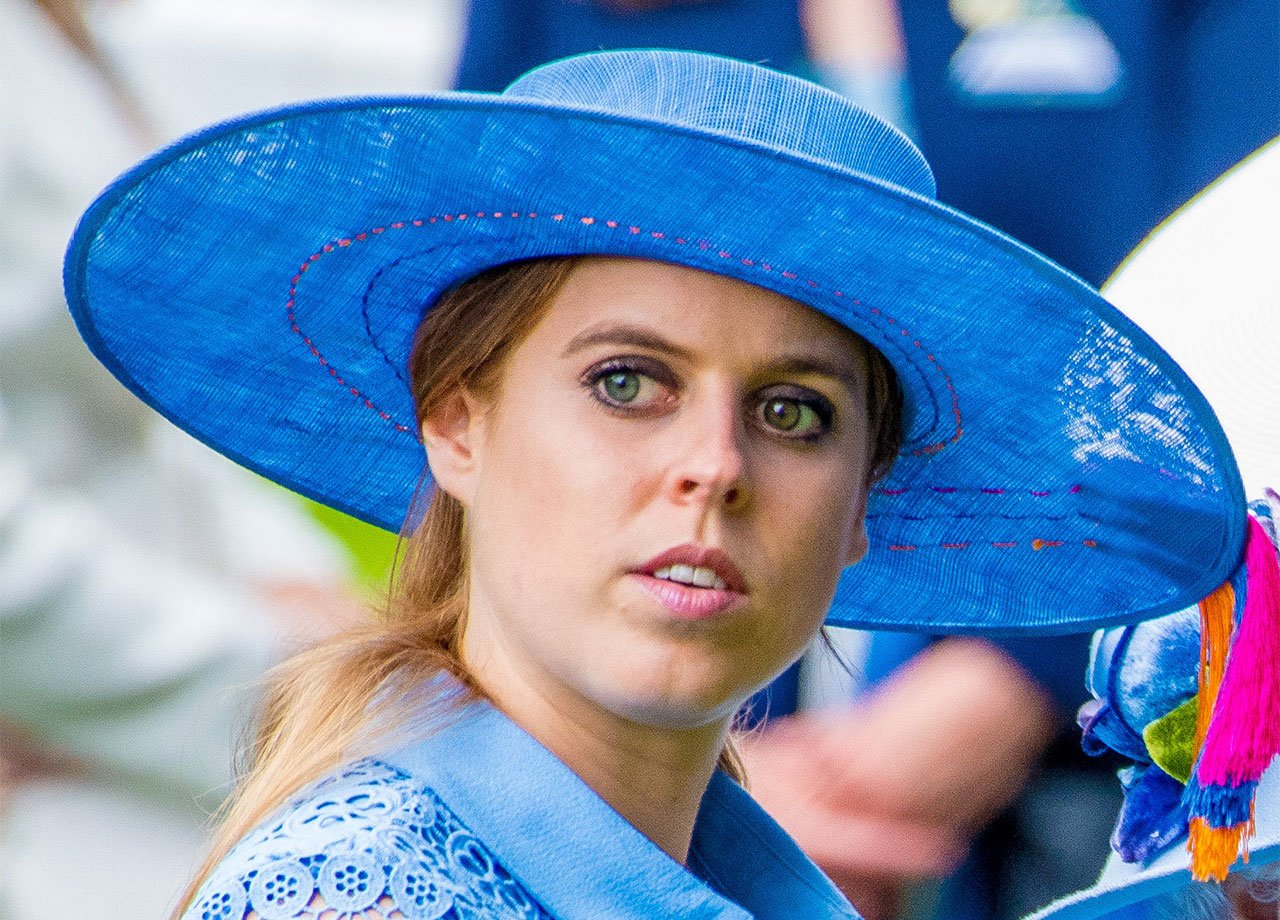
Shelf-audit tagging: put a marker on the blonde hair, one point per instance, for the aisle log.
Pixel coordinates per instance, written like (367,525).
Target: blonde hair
(332,703)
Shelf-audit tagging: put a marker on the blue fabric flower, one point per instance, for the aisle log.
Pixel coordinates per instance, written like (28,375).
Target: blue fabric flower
(1152,816)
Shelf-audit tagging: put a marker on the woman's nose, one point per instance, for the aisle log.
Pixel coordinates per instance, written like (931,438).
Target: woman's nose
(711,465)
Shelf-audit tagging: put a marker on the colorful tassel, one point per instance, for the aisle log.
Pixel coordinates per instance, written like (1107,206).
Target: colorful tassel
(1242,736)
(1214,849)
(1217,621)
(1219,806)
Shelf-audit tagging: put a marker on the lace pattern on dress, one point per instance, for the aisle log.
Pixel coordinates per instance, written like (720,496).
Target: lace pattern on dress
(368,841)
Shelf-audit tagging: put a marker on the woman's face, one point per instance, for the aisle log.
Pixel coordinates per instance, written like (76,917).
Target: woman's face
(661,495)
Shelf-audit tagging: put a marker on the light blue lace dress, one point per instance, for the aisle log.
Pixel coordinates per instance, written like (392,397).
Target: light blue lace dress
(478,820)
(369,837)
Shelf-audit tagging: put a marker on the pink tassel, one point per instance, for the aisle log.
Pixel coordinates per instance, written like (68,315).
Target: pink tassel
(1244,734)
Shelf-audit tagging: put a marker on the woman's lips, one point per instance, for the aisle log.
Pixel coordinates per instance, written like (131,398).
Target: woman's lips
(709,558)
(693,581)
(688,601)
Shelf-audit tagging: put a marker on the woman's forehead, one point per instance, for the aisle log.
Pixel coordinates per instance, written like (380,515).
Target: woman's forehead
(687,307)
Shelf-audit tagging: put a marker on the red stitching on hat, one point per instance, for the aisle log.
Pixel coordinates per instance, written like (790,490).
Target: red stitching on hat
(955,397)
(657,235)
(1036,545)
(1034,493)
(293,324)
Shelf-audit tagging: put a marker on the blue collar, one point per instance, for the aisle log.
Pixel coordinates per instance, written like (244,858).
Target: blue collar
(581,860)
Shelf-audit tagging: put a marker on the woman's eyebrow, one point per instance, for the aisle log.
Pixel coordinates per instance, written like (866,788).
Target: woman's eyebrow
(851,375)
(624,334)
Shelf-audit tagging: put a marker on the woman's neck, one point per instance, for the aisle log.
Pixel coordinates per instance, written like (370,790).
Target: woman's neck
(654,777)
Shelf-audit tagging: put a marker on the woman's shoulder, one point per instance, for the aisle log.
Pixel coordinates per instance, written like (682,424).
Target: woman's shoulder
(370,837)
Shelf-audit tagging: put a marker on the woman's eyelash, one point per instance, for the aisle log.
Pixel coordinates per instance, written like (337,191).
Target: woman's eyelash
(634,364)
(627,373)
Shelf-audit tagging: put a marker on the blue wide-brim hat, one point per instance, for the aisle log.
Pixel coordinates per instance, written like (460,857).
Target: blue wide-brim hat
(259,284)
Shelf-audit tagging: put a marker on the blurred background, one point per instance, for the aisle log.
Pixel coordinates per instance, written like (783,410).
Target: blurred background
(146,583)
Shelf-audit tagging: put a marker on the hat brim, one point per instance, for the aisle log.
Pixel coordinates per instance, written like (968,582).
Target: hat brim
(259,284)
(1123,885)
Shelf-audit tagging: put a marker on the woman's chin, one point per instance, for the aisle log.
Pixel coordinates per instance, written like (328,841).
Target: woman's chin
(684,710)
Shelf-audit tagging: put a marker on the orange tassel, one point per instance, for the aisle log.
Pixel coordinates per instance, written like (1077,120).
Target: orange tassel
(1214,849)
(1217,620)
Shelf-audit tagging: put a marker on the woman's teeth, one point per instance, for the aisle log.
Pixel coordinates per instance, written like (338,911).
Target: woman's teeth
(691,575)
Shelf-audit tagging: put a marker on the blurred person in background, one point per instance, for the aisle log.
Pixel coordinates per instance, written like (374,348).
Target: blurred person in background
(1075,127)
(1078,125)
(853,46)
(145,583)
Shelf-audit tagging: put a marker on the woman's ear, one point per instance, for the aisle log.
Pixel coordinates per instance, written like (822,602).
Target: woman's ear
(453,433)
(857,544)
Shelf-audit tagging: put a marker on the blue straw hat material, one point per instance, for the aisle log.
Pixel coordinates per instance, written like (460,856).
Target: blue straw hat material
(260,283)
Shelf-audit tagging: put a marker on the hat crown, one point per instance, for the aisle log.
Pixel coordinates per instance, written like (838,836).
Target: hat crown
(732,99)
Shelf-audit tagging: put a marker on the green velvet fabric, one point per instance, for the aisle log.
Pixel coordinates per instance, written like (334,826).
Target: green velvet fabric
(1170,740)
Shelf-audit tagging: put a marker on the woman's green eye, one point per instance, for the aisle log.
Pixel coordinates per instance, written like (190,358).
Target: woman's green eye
(795,418)
(621,386)
(788,415)
(631,385)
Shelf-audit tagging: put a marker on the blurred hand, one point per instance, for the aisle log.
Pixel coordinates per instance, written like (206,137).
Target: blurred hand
(891,788)
(23,758)
(853,33)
